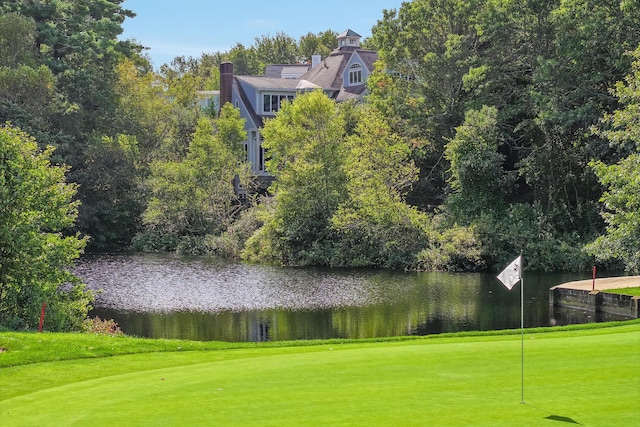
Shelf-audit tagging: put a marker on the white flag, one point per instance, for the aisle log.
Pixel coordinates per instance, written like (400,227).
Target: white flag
(512,274)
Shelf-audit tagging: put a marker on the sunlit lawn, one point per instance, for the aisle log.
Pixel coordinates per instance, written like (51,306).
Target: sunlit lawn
(626,291)
(591,377)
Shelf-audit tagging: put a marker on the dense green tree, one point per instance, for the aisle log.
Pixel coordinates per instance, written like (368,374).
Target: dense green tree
(622,126)
(375,226)
(339,199)
(477,179)
(245,60)
(305,142)
(278,49)
(621,180)
(196,196)
(622,213)
(515,170)
(316,44)
(160,111)
(143,111)
(17,39)
(209,71)
(546,66)
(570,92)
(513,36)
(60,86)
(110,169)
(78,41)
(202,71)
(28,97)
(36,207)
(429,46)
(110,191)
(28,94)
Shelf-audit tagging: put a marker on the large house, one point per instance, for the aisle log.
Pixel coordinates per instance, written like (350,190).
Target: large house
(341,75)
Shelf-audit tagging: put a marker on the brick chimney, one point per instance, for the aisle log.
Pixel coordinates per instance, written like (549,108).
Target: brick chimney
(226,80)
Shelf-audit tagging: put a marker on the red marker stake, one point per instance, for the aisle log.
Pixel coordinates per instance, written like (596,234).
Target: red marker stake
(44,308)
(593,283)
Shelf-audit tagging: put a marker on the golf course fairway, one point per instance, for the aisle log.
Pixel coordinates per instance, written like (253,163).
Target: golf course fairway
(585,377)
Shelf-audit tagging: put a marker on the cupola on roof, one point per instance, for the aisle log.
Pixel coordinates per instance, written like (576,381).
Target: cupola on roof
(348,38)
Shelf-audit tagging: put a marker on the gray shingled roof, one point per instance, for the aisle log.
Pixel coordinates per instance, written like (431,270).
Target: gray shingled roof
(369,57)
(277,70)
(265,83)
(349,33)
(328,74)
(351,92)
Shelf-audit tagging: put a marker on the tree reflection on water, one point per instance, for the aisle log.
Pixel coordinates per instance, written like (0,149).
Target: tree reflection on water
(163,296)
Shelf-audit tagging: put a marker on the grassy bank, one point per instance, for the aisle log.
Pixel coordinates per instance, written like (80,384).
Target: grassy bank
(583,374)
(626,291)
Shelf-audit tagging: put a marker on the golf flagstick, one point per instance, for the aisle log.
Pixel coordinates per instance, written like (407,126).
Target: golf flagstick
(522,332)
(509,277)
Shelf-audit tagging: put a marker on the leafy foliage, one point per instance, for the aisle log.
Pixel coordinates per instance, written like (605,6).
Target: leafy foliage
(543,69)
(479,137)
(99,326)
(452,248)
(36,206)
(374,226)
(110,192)
(339,198)
(622,213)
(17,35)
(622,180)
(279,49)
(305,142)
(196,196)
(477,179)
(316,44)
(231,243)
(430,45)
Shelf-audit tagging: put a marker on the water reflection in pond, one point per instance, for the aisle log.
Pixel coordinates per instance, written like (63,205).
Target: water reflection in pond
(163,296)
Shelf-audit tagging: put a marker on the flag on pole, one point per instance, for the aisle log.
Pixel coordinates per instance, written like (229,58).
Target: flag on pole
(509,277)
(512,274)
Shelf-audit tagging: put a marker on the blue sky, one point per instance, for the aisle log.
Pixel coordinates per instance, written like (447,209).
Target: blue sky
(191,27)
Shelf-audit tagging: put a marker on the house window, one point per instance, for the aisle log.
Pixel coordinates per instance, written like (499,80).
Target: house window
(263,156)
(271,102)
(355,74)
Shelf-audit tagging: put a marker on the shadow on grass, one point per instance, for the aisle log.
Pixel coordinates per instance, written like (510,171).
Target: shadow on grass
(554,417)
(563,419)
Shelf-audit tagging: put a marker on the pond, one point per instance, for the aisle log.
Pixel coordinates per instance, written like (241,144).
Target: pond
(196,298)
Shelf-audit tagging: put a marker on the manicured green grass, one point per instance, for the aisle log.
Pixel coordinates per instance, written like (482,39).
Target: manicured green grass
(587,376)
(626,291)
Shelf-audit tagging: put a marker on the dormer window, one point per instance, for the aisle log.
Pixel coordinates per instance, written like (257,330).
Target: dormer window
(355,74)
(271,103)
